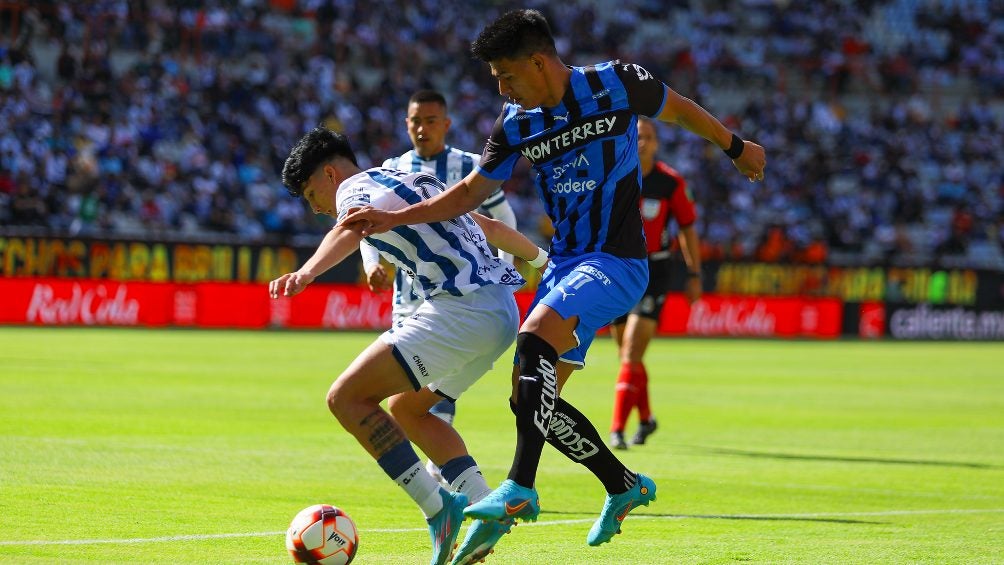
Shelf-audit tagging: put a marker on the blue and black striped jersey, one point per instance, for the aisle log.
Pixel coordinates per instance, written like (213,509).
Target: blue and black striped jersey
(585,153)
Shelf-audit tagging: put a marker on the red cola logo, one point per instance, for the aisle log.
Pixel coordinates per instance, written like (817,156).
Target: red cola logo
(97,305)
(372,311)
(731,318)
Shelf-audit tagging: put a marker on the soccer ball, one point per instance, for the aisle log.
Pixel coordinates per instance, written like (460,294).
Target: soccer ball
(322,534)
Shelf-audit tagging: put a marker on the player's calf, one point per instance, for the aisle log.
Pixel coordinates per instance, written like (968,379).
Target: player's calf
(536,397)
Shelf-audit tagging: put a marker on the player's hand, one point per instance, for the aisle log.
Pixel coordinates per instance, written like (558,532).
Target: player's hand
(289,284)
(377,278)
(692,290)
(368,221)
(530,275)
(751,162)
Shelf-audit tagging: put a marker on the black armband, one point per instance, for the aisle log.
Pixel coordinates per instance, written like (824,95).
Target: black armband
(736,148)
(693,274)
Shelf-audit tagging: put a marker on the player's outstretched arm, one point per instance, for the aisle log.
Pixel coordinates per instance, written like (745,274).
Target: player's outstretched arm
(337,244)
(748,157)
(459,199)
(511,241)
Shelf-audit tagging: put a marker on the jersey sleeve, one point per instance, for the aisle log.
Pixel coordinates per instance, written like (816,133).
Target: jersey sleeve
(369,254)
(682,204)
(349,198)
(499,157)
(646,94)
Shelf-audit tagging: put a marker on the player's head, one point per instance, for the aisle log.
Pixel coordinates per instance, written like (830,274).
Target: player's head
(428,122)
(316,166)
(520,49)
(648,140)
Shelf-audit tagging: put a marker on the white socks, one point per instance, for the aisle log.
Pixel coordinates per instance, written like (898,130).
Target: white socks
(422,488)
(472,483)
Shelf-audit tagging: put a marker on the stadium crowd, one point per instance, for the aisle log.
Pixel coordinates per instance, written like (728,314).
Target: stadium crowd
(172,118)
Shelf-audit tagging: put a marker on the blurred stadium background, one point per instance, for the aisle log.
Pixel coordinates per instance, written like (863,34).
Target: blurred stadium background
(140,149)
(141,142)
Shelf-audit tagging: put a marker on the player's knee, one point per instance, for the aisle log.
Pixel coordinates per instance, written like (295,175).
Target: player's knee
(338,399)
(397,408)
(332,400)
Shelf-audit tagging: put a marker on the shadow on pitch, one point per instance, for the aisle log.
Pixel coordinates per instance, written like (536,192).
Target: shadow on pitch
(727,517)
(842,459)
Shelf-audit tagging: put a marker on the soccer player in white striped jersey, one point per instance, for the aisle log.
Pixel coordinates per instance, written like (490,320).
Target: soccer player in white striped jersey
(577,127)
(428,123)
(469,318)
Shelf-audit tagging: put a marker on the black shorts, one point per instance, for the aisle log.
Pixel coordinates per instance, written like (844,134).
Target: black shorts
(651,303)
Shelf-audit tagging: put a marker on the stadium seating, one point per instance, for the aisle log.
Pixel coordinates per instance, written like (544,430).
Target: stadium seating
(881,118)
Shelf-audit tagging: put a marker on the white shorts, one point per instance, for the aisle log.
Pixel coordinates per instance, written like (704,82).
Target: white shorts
(451,341)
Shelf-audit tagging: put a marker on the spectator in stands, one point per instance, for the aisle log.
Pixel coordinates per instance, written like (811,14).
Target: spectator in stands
(126,94)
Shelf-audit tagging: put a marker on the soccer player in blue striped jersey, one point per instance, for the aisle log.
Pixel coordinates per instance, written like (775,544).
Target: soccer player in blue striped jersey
(428,124)
(578,128)
(468,319)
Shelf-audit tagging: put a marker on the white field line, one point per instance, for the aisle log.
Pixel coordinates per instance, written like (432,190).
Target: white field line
(196,537)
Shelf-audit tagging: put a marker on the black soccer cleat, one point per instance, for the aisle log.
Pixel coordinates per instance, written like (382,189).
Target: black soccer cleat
(645,429)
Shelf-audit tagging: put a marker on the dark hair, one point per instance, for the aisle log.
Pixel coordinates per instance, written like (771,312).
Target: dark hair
(518,33)
(427,96)
(315,148)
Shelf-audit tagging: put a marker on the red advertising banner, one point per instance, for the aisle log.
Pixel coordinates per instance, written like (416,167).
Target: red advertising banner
(745,316)
(207,305)
(53,301)
(334,306)
(84,302)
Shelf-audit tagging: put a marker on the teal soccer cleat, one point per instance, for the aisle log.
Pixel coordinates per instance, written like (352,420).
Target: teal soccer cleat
(617,508)
(509,501)
(444,527)
(480,539)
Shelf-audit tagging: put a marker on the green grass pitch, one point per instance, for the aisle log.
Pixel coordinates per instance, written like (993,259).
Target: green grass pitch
(151,446)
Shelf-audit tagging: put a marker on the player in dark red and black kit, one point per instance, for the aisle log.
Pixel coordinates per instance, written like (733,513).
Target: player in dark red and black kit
(664,197)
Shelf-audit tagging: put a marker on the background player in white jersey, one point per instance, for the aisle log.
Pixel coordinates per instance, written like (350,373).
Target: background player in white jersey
(469,318)
(428,123)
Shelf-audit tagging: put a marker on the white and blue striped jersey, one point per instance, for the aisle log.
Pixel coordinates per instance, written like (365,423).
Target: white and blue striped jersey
(444,258)
(449,166)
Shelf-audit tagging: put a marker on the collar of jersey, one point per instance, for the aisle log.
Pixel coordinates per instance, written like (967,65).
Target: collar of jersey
(446,149)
